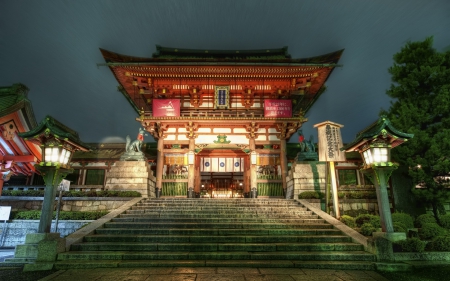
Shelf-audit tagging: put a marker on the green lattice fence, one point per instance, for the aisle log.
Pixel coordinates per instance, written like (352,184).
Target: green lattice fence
(174,189)
(270,189)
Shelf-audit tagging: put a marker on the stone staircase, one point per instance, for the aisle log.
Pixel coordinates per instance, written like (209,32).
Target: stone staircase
(217,233)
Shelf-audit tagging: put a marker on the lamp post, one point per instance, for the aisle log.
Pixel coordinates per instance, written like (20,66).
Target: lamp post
(375,144)
(58,143)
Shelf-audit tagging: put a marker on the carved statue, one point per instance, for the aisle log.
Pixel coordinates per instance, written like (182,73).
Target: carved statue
(133,150)
(307,148)
(266,170)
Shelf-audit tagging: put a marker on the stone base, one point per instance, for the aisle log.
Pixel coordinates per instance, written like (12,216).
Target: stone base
(307,156)
(131,175)
(40,250)
(391,236)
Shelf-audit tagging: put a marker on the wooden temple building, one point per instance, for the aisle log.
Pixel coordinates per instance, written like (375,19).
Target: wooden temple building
(221,119)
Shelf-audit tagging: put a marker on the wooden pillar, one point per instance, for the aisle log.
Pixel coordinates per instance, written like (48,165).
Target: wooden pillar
(159,162)
(283,163)
(191,174)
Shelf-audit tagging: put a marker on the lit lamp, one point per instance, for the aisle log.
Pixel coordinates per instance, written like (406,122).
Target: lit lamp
(58,143)
(375,144)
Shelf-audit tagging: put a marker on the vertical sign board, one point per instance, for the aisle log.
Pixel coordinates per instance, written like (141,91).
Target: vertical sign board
(4,213)
(278,108)
(166,107)
(330,142)
(221,97)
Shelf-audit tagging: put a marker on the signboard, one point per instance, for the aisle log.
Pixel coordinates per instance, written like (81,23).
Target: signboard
(64,185)
(221,97)
(277,108)
(330,141)
(4,213)
(166,107)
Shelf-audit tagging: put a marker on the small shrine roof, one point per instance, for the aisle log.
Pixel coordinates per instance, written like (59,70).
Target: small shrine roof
(15,98)
(53,126)
(383,127)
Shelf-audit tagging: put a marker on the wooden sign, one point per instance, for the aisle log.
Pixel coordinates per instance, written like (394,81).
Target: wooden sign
(221,97)
(330,141)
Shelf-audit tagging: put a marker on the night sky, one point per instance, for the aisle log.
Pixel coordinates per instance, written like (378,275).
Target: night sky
(53,48)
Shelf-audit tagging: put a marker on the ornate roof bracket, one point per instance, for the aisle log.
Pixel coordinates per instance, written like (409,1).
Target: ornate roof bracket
(252,130)
(191,127)
(287,129)
(156,129)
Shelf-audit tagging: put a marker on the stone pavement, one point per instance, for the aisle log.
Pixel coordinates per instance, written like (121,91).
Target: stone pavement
(213,274)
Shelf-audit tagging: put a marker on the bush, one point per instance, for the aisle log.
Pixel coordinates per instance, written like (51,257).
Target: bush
(440,243)
(310,195)
(356,212)
(404,219)
(445,221)
(63,215)
(367,229)
(349,221)
(423,219)
(430,231)
(367,218)
(410,245)
(399,227)
(73,193)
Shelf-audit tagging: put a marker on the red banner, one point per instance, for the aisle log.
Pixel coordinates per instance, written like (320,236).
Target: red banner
(166,107)
(277,108)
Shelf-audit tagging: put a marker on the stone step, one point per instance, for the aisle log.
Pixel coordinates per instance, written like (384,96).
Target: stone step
(216,247)
(208,208)
(235,216)
(219,239)
(335,265)
(305,219)
(216,232)
(216,225)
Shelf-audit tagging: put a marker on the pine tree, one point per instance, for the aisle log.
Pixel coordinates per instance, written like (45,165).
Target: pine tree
(421,105)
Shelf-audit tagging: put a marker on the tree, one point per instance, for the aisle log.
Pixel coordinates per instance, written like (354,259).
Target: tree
(421,105)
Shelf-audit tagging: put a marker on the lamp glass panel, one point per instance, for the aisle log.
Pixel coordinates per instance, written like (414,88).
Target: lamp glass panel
(376,154)
(55,154)
(48,154)
(384,154)
(368,157)
(63,154)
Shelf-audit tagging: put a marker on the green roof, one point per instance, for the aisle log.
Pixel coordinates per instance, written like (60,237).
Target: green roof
(15,98)
(51,126)
(382,127)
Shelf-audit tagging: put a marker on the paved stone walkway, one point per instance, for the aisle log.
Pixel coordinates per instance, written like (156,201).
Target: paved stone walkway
(213,274)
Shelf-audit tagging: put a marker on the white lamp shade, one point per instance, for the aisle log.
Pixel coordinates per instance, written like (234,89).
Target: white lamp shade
(56,154)
(376,155)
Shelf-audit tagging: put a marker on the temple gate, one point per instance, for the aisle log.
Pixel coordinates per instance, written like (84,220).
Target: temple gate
(221,118)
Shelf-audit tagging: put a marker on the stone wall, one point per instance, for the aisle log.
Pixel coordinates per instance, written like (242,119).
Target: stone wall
(131,175)
(305,176)
(68,203)
(346,206)
(16,230)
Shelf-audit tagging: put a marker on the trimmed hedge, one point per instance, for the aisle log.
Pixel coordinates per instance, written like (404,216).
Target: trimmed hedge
(73,193)
(430,231)
(445,221)
(357,195)
(311,195)
(63,215)
(368,218)
(404,219)
(440,243)
(367,229)
(423,219)
(410,245)
(348,220)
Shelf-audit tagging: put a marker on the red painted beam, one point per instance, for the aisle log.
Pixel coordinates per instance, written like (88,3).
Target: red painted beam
(18,158)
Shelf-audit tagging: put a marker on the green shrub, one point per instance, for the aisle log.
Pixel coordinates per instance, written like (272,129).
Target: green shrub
(356,212)
(445,221)
(440,243)
(430,230)
(310,195)
(410,245)
(423,219)
(73,193)
(367,229)
(349,221)
(404,219)
(399,227)
(63,215)
(367,218)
